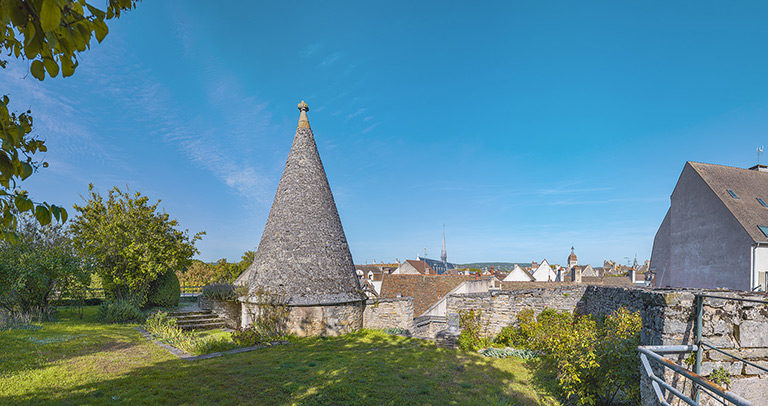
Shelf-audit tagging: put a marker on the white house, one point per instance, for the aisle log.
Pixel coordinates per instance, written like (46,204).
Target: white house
(518,275)
(715,233)
(544,273)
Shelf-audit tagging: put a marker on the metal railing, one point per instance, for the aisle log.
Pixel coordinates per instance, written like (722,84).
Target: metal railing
(700,384)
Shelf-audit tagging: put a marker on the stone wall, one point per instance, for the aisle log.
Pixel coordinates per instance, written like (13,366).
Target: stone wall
(326,320)
(389,313)
(668,318)
(427,327)
(229,311)
(500,308)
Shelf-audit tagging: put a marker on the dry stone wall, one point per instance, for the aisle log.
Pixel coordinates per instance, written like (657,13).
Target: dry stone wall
(500,308)
(389,313)
(668,318)
(228,310)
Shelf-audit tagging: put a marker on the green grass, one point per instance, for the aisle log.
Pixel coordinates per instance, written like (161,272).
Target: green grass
(73,362)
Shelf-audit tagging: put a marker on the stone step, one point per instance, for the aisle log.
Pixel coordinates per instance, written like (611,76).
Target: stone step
(196,317)
(203,326)
(181,314)
(199,321)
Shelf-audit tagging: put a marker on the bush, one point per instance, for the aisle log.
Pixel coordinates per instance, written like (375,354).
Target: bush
(595,360)
(121,311)
(164,291)
(248,336)
(509,352)
(221,291)
(39,267)
(472,336)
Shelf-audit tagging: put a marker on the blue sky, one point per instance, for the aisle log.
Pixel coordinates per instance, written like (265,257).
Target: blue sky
(524,127)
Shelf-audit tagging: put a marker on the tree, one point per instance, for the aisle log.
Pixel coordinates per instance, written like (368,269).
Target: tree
(130,242)
(37,269)
(50,34)
(200,273)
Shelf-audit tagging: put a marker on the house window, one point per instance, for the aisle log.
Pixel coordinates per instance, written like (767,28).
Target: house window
(764,229)
(762,202)
(733,195)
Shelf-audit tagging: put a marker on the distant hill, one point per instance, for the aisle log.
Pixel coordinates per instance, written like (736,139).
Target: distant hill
(497,266)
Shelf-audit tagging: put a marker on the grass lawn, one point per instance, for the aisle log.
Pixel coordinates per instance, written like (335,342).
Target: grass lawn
(74,362)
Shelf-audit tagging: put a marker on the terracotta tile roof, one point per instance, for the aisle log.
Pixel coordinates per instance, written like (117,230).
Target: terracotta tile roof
(748,185)
(421,266)
(425,290)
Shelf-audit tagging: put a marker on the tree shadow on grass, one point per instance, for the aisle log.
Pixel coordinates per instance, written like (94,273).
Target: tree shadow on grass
(60,341)
(357,369)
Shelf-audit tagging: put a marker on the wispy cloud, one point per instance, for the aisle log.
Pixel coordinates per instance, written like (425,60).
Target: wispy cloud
(68,136)
(198,136)
(330,59)
(355,114)
(310,50)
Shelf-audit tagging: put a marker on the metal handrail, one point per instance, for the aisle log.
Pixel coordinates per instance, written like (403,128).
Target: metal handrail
(700,326)
(700,383)
(696,378)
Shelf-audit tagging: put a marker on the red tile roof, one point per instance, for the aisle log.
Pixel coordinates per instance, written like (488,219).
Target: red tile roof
(425,290)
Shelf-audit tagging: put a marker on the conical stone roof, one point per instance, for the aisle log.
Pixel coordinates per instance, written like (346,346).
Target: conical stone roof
(303,254)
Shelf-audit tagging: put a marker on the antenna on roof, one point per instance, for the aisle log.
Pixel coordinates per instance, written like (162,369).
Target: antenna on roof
(759,151)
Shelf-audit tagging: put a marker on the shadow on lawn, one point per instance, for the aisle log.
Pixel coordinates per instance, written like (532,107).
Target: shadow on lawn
(25,350)
(359,369)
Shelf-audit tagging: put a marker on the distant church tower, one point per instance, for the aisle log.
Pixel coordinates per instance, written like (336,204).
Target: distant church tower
(572,259)
(443,254)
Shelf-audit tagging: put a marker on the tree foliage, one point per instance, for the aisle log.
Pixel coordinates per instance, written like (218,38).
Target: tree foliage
(50,34)
(130,242)
(200,273)
(595,359)
(39,267)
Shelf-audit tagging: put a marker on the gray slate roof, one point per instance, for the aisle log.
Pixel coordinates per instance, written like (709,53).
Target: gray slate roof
(303,254)
(748,186)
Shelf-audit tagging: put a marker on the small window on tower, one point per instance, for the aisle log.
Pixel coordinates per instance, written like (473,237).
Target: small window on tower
(733,195)
(762,202)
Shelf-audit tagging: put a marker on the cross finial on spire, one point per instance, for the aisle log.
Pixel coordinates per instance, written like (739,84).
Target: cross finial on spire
(303,120)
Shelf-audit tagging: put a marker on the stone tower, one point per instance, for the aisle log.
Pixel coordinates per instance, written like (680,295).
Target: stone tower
(303,257)
(572,260)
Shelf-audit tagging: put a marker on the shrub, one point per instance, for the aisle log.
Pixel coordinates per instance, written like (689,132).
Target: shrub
(398,331)
(510,337)
(220,291)
(248,336)
(121,311)
(164,291)
(472,335)
(595,360)
(509,352)
(37,268)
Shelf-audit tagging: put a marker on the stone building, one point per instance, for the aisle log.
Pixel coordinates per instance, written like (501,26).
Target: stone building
(303,259)
(715,233)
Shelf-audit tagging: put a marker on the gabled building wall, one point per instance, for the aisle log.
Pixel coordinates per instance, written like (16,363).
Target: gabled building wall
(660,253)
(708,246)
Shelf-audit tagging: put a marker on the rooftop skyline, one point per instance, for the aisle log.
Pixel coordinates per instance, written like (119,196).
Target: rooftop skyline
(525,128)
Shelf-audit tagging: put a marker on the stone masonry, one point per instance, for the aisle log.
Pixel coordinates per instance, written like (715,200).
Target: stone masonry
(668,318)
(389,312)
(303,258)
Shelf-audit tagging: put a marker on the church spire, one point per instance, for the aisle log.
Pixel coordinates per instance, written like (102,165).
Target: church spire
(443,254)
